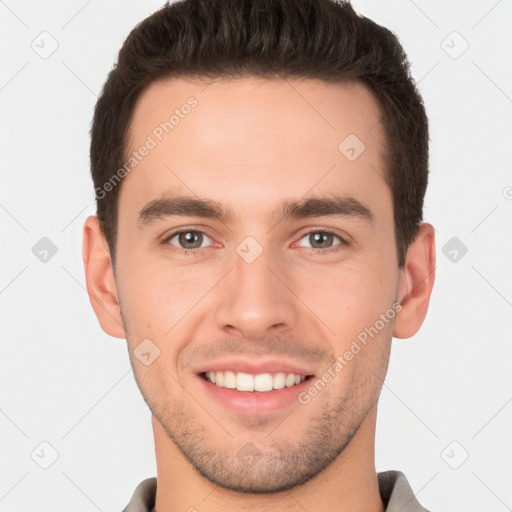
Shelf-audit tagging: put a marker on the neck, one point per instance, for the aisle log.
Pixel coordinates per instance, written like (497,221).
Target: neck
(349,483)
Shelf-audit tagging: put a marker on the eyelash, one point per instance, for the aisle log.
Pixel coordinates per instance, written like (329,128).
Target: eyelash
(197,252)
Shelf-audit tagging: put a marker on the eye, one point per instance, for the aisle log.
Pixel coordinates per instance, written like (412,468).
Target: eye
(187,241)
(322,240)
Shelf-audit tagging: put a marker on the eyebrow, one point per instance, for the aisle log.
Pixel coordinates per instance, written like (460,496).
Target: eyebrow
(180,205)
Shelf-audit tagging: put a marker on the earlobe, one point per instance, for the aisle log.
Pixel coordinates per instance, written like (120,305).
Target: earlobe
(416,282)
(99,278)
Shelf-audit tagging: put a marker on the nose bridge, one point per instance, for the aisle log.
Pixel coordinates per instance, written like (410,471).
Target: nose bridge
(253,298)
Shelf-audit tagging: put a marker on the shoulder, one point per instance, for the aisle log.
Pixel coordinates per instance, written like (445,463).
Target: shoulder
(143,498)
(396,493)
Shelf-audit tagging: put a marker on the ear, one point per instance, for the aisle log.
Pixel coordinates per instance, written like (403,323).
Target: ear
(416,282)
(99,278)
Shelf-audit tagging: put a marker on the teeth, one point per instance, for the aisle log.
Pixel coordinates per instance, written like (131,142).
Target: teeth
(244,382)
(247,382)
(263,382)
(230,380)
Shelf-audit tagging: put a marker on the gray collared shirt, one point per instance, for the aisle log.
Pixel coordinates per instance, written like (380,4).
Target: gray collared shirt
(395,491)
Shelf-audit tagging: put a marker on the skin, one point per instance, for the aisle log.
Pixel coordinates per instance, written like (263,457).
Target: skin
(249,144)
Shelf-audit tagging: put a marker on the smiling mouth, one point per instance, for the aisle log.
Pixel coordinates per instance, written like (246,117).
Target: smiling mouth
(262,382)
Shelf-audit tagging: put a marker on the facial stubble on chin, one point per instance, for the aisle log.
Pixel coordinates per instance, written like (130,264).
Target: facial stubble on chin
(275,467)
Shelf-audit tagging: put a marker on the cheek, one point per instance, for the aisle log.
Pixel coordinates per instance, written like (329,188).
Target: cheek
(153,293)
(349,297)
(159,383)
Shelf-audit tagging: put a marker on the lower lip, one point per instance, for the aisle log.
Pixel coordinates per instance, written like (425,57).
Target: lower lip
(255,403)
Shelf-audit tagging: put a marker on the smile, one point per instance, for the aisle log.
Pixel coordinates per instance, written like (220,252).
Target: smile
(262,382)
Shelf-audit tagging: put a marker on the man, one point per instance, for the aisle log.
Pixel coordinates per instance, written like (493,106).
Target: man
(260,168)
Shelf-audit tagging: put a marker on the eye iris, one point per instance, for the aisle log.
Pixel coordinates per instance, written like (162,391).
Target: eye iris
(190,237)
(318,239)
(324,239)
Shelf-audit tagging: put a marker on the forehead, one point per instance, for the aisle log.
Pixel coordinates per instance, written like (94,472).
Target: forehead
(251,142)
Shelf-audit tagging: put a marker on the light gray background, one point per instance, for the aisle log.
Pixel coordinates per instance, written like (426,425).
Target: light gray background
(448,393)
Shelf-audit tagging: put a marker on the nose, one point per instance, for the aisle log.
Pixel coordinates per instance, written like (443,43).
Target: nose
(256,300)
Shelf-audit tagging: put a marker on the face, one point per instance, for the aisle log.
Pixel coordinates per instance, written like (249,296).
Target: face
(290,260)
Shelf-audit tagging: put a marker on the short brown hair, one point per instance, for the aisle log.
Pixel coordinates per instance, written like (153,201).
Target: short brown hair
(315,39)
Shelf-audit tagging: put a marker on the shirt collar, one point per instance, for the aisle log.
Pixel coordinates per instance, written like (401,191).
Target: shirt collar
(395,491)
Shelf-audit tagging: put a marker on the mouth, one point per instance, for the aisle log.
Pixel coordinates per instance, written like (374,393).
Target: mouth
(253,394)
(253,383)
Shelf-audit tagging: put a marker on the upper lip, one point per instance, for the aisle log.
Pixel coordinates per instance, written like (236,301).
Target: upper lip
(254,366)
